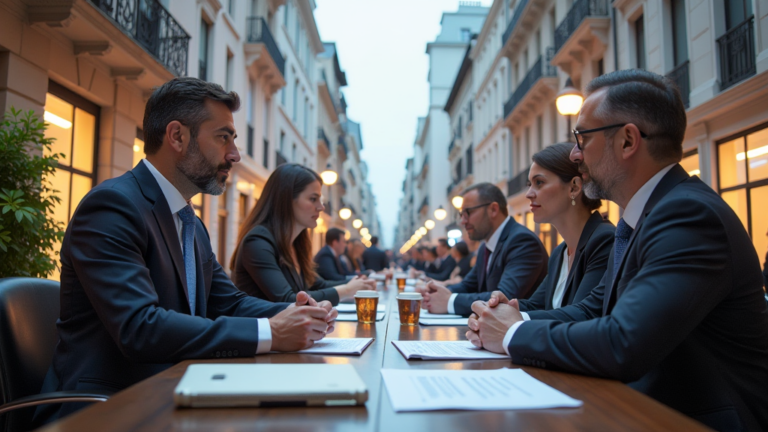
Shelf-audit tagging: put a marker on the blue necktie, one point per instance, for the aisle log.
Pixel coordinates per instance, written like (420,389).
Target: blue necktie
(623,233)
(187,216)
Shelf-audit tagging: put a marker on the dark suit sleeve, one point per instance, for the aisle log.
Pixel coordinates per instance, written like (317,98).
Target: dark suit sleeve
(599,252)
(522,261)
(259,258)
(467,285)
(444,273)
(108,242)
(326,267)
(538,299)
(681,272)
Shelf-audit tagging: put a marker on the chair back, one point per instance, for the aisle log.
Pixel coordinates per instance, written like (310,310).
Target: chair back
(29,309)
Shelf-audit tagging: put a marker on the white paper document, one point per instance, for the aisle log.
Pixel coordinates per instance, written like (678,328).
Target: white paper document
(348,346)
(353,316)
(427,315)
(444,350)
(351,308)
(443,321)
(501,389)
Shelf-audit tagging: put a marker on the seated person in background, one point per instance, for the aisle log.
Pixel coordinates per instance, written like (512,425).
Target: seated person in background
(273,258)
(444,264)
(405,260)
(329,265)
(418,258)
(579,262)
(511,258)
(374,258)
(462,257)
(430,257)
(679,314)
(353,257)
(140,286)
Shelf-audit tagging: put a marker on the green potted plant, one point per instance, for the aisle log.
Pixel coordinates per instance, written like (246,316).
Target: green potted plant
(28,231)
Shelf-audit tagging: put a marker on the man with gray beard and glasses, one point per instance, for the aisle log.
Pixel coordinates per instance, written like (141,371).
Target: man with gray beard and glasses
(679,314)
(140,286)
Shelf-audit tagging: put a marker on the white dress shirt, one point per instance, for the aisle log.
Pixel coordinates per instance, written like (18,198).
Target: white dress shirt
(490,246)
(631,216)
(557,297)
(176,202)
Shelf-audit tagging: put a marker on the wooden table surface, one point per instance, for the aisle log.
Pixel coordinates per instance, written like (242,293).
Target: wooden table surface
(608,405)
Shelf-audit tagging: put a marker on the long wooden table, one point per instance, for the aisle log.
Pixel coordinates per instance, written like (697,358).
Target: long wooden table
(608,405)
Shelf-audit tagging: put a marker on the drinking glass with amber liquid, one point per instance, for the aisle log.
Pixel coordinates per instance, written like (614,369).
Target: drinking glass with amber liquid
(367,302)
(400,278)
(409,306)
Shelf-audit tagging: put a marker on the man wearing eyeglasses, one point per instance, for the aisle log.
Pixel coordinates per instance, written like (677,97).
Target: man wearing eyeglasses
(511,259)
(679,314)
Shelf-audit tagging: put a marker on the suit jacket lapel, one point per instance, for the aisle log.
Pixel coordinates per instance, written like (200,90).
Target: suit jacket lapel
(671,179)
(592,223)
(479,262)
(162,213)
(500,244)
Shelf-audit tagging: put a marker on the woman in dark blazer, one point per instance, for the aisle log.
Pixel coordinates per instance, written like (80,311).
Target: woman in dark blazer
(273,259)
(579,262)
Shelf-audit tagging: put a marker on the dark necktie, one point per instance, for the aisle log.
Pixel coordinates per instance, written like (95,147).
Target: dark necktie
(623,233)
(187,216)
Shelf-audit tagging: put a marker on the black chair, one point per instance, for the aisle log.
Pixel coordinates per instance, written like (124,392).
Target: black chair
(29,309)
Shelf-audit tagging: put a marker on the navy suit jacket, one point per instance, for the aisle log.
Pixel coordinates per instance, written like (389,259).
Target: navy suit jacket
(124,309)
(684,320)
(329,266)
(517,267)
(589,264)
(375,259)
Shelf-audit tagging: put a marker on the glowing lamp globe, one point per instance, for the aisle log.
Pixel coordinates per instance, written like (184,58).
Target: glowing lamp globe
(440,213)
(357,223)
(429,224)
(345,213)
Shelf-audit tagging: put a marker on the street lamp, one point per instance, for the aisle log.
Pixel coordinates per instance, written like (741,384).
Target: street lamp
(357,224)
(568,103)
(364,231)
(457,201)
(429,224)
(329,176)
(345,213)
(423,231)
(440,213)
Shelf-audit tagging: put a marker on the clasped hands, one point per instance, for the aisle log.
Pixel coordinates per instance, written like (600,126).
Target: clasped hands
(302,323)
(490,321)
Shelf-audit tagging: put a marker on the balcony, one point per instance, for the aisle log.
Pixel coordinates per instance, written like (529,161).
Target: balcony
(681,77)
(279,159)
(582,35)
(737,53)
(517,184)
(262,56)
(152,27)
(535,90)
(343,149)
(323,139)
(424,203)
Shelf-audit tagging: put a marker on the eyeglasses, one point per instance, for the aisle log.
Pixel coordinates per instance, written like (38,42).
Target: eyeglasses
(467,211)
(580,138)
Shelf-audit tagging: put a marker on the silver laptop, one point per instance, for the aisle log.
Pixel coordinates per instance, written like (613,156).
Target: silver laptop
(267,385)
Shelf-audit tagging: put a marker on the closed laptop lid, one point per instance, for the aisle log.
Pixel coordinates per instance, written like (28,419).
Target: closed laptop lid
(229,385)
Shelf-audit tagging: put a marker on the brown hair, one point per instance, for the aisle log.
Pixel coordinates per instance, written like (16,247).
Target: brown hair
(274,210)
(557,159)
(350,247)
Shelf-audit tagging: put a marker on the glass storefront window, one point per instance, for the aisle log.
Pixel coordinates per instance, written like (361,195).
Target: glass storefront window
(690,163)
(757,155)
(610,211)
(737,200)
(732,170)
(759,210)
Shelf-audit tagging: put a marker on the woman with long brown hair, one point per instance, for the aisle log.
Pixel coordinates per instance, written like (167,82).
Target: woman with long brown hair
(273,259)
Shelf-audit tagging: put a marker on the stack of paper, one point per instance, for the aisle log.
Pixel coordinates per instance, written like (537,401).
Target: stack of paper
(501,389)
(353,316)
(425,314)
(443,321)
(444,350)
(335,346)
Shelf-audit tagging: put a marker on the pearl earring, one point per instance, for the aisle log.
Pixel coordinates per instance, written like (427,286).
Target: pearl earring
(573,200)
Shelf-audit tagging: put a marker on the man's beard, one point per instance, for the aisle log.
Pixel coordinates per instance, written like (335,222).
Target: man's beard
(592,188)
(200,172)
(601,189)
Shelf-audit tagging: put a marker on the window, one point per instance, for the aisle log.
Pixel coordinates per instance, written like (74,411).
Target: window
(306,118)
(690,162)
(295,99)
(204,41)
(72,122)
(743,175)
(468,157)
(138,147)
(736,12)
(466,34)
(223,214)
(679,33)
(249,144)
(230,70)
(286,9)
(282,141)
(265,156)
(231,8)
(293,153)
(640,43)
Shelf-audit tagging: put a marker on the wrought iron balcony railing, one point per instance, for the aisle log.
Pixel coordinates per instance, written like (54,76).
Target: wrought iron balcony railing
(517,183)
(153,28)
(279,159)
(323,138)
(540,69)
(681,77)
(258,32)
(580,10)
(737,53)
(521,4)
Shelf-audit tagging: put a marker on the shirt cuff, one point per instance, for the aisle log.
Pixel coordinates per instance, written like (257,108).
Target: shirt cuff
(510,333)
(265,336)
(525,315)
(451,309)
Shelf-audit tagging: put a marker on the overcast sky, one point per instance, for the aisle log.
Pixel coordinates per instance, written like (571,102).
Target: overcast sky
(382,48)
